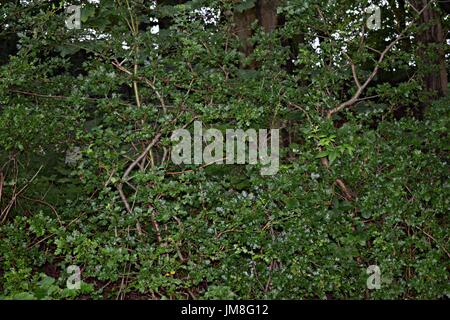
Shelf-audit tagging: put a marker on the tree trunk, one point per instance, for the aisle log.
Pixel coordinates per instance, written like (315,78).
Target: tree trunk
(432,39)
(267,14)
(265,11)
(243,28)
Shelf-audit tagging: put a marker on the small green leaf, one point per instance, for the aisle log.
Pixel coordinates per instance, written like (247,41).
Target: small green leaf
(333,155)
(323,154)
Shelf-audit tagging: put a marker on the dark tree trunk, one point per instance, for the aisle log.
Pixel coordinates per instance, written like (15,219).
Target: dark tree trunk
(265,11)
(243,28)
(432,38)
(267,14)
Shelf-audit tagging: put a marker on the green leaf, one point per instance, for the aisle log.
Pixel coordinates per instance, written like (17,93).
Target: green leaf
(323,154)
(333,155)
(366,214)
(87,12)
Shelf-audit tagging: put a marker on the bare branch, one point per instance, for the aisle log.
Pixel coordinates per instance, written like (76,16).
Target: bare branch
(355,76)
(4,213)
(144,79)
(361,88)
(130,168)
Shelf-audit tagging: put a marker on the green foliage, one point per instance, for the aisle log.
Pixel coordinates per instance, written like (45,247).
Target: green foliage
(70,126)
(236,230)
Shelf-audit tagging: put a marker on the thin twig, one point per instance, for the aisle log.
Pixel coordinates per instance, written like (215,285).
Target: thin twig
(437,243)
(15,195)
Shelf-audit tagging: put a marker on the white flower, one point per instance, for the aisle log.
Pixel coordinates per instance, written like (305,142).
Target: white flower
(220,210)
(315,176)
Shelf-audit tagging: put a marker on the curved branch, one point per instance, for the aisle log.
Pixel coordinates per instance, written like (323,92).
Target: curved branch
(361,88)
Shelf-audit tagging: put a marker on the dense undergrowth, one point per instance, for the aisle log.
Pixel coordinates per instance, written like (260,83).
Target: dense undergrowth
(231,233)
(78,107)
